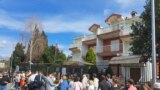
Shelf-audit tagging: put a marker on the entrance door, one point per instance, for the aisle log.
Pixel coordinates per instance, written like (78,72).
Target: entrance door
(135,74)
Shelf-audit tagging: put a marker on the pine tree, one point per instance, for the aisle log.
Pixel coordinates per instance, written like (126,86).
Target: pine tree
(141,35)
(18,55)
(52,54)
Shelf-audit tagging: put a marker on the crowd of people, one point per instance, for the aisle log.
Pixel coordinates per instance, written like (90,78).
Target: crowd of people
(53,81)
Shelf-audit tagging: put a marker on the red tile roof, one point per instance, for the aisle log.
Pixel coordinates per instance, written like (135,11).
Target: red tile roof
(117,15)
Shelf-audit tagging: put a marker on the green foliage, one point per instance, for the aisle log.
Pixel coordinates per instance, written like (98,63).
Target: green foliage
(92,69)
(141,35)
(18,55)
(109,71)
(90,56)
(48,56)
(52,54)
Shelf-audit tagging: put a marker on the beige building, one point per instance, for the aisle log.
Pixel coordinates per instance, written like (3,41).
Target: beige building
(111,46)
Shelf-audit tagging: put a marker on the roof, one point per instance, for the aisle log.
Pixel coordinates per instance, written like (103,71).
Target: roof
(135,59)
(117,15)
(94,27)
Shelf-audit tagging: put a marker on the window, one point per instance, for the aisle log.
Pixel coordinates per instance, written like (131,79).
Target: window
(115,45)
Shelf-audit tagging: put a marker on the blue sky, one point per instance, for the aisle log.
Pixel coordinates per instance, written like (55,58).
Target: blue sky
(62,20)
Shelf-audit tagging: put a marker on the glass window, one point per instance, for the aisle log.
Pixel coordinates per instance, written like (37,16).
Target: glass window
(115,45)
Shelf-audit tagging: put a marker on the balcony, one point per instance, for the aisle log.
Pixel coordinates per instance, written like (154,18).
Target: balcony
(89,39)
(111,32)
(75,47)
(110,50)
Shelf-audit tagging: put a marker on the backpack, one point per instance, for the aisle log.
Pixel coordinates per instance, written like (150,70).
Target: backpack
(38,82)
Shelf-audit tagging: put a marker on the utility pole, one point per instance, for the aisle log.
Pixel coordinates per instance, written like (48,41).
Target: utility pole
(153,45)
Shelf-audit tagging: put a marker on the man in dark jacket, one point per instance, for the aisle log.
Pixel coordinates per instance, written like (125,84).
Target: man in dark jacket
(4,79)
(39,82)
(103,84)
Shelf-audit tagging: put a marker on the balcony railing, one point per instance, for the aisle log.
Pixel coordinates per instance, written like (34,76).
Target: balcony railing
(110,48)
(89,37)
(125,29)
(76,45)
(109,29)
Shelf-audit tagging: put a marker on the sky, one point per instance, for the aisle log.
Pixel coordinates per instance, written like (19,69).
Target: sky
(62,20)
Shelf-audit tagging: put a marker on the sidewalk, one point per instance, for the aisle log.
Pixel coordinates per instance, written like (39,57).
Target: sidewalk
(10,86)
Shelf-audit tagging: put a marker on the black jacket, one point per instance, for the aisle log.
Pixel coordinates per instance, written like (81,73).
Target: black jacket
(104,85)
(4,80)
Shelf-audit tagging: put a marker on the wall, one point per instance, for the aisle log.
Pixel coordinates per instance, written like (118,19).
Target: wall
(76,56)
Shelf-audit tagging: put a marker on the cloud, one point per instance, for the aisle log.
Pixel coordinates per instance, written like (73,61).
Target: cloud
(125,4)
(52,24)
(3,43)
(125,7)
(6,21)
(7,45)
(60,24)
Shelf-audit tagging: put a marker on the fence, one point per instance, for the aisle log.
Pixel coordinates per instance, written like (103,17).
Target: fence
(79,70)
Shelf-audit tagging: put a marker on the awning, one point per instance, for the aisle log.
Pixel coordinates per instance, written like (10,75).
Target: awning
(125,60)
(76,63)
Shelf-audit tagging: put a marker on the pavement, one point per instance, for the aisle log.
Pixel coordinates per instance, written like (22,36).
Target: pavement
(10,86)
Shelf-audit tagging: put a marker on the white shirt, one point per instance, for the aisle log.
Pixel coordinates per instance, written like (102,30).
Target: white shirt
(71,85)
(91,87)
(96,82)
(32,77)
(85,82)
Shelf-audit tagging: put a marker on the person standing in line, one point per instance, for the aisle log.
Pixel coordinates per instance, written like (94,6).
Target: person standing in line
(103,84)
(71,83)
(77,84)
(39,81)
(91,85)
(22,82)
(3,82)
(131,85)
(31,79)
(85,82)
(17,81)
(96,81)
(64,85)
(109,79)
(115,85)
(50,83)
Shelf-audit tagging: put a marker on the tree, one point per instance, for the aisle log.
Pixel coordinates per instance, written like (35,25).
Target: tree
(141,35)
(52,54)
(90,56)
(47,55)
(38,41)
(18,55)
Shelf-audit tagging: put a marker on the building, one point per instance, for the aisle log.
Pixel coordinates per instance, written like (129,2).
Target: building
(111,46)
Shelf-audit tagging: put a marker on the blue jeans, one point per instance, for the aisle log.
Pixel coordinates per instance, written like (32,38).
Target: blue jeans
(3,87)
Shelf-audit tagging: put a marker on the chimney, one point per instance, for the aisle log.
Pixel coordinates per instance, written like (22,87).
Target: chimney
(133,13)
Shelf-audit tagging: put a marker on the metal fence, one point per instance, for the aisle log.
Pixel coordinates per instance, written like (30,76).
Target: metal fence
(77,69)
